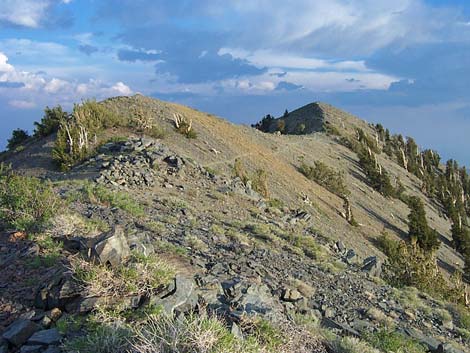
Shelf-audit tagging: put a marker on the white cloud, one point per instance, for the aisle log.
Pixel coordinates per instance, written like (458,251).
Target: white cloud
(56,85)
(122,89)
(39,89)
(22,104)
(4,65)
(27,13)
(269,58)
(357,27)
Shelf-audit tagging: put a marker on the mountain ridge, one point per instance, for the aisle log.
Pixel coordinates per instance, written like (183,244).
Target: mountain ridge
(234,199)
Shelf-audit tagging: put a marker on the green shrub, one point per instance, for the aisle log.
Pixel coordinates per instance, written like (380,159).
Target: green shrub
(50,122)
(327,177)
(26,203)
(18,136)
(376,175)
(419,230)
(78,134)
(409,265)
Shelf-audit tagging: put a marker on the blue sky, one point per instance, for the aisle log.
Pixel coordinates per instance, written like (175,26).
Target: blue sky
(404,63)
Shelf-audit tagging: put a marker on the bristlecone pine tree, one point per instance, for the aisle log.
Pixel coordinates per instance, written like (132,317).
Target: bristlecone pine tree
(419,230)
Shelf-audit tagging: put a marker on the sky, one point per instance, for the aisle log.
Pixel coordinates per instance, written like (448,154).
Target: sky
(403,63)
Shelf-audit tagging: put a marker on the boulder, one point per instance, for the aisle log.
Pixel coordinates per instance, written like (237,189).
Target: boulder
(31,349)
(112,249)
(180,296)
(19,331)
(372,266)
(45,337)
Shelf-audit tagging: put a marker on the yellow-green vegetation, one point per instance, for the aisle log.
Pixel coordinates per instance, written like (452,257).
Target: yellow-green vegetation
(259,179)
(98,194)
(462,320)
(307,244)
(409,265)
(26,203)
(79,133)
(262,232)
(143,122)
(195,243)
(352,345)
(411,298)
(326,176)
(140,275)
(169,248)
(153,331)
(184,126)
(103,335)
(50,251)
(394,342)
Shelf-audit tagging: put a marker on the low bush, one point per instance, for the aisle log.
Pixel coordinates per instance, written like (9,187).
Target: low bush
(143,122)
(326,176)
(409,265)
(26,203)
(78,134)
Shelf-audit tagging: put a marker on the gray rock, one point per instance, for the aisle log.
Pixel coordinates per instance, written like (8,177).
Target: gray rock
(291,295)
(19,331)
(431,343)
(447,348)
(340,246)
(3,346)
(112,249)
(31,349)
(45,337)
(351,257)
(180,296)
(52,349)
(236,331)
(329,323)
(372,266)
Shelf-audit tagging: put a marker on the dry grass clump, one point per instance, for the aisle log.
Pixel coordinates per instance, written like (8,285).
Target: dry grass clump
(141,275)
(352,345)
(205,334)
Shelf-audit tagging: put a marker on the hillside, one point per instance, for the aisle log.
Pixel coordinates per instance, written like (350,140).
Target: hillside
(276,245)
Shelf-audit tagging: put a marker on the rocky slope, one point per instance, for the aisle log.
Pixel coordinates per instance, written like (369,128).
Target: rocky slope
(236,252)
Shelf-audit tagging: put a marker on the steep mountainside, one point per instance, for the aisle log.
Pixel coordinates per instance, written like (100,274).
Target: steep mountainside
(246,231)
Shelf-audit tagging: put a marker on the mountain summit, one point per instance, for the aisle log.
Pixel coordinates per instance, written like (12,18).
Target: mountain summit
(137,225)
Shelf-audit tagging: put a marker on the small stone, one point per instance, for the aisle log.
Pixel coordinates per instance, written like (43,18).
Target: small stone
(55,314)
(19,331)
(291,295)
(329,313)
